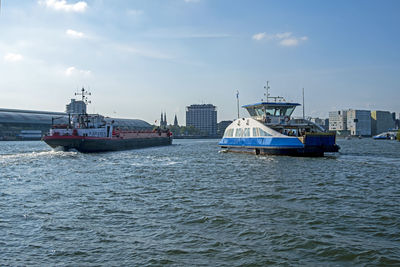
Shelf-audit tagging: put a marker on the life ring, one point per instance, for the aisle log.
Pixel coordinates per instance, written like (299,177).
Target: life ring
(287,119)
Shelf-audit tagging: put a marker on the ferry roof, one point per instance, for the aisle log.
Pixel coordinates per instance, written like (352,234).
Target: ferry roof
(276,104)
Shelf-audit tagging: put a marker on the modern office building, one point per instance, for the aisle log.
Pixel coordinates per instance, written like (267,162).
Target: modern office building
(338,120)
(381,122)
(202,117)
(76,107)
(359,122)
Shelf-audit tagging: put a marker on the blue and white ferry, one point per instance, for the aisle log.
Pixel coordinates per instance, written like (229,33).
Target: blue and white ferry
(272,130)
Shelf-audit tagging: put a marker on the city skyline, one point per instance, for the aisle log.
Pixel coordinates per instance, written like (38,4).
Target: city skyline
(143,57)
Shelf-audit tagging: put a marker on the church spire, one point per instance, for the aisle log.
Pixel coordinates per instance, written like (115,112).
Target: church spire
(175,121)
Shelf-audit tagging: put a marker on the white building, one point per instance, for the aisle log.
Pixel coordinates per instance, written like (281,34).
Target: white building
(359,122)
(338,120)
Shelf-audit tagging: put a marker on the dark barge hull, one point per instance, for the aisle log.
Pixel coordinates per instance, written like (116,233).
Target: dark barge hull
(89,145)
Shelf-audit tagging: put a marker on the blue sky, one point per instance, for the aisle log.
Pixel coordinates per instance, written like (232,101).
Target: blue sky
(139,58)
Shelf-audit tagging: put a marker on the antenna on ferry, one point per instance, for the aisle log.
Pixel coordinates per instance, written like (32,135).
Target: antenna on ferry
(303,106)
(267,88)
(237,100)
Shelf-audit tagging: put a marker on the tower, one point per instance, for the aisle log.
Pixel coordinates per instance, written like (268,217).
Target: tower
(175,121)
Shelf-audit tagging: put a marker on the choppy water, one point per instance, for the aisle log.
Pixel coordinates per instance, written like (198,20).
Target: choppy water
(188,204)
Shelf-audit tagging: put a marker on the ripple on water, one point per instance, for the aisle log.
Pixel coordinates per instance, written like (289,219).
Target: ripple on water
(187,204)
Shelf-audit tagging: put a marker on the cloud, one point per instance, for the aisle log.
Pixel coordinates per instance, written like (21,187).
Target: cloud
(192,1)
(259,36)
(283,39)
(11,57)
(62,5)
(74,34)
(135,12)
(71,71)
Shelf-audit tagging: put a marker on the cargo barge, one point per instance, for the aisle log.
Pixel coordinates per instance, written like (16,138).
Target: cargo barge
(96,133)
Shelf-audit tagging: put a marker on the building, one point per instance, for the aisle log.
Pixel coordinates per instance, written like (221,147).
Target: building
(17,124)
(382,121)
(202,117)
(76,107)
(163,120)
(176,121)
(221,126)
(338,121)
(359,122)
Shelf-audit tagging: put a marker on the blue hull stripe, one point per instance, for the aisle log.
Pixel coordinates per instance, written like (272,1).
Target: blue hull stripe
(275,142)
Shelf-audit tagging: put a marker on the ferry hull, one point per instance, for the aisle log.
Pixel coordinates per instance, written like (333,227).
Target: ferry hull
(297,152)
(88,145)
(309,146)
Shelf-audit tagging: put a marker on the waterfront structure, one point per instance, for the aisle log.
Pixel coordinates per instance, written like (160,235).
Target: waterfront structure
(359,122)
(202,117)
(338,121)
(76,107)
(163,120)
(382,121)
(18,124)
(221,126)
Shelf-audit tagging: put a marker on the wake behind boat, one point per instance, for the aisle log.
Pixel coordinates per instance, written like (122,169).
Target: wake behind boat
(96,133)
(272,130)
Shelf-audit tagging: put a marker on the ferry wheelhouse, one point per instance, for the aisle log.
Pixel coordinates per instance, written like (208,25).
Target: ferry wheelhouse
(271,129)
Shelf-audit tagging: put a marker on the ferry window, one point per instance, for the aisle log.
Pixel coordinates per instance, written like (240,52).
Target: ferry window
(270,111)
(263,133)
(246,132)
(259,111)
(238,132)
(289,111)
(228,133)
(255,132)
(251,111)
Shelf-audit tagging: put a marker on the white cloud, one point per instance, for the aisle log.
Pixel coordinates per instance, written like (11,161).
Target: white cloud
(64,6)
(11,57)
(259,36)
(74,71)
(289,42)
(135,12)
(284,38)
(74,34)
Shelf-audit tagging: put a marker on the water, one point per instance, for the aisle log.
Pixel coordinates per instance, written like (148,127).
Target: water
(188,204)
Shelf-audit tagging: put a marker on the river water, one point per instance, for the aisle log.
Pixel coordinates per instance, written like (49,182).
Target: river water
(191,205)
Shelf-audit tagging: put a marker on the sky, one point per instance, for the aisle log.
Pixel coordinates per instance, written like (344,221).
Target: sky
(139,58)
